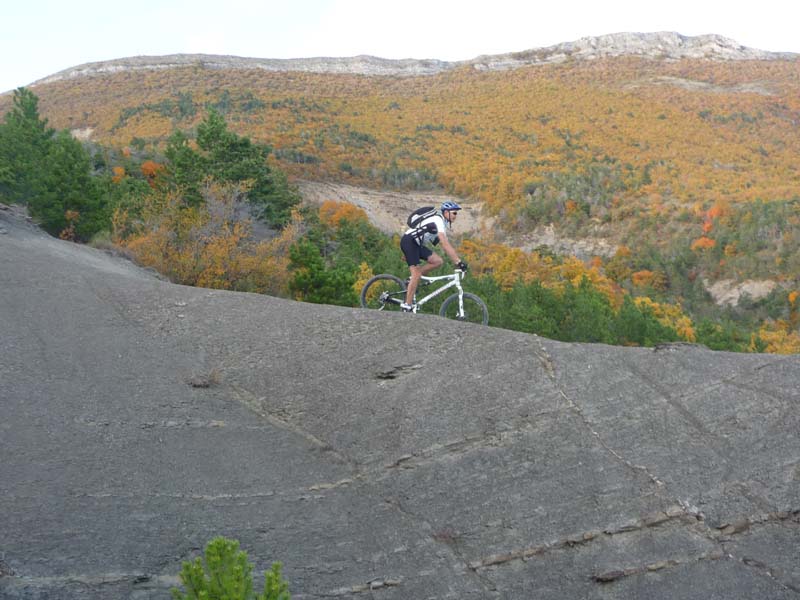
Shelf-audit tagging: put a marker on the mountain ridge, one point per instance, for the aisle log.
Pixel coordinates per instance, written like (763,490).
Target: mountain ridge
(657,45)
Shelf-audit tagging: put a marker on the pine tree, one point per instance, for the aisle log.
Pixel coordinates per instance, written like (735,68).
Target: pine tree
(25,141)
(228,158)
(68,196)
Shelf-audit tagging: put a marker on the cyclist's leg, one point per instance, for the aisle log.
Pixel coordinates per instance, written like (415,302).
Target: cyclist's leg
(413,252)
(432,261)
(413,281)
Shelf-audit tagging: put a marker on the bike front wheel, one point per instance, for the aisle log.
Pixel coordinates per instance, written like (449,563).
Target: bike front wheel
(383,292)
(475,310)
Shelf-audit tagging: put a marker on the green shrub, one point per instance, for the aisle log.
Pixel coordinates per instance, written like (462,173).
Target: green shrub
(227,575)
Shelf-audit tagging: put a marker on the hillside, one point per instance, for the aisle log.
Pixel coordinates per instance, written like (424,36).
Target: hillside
(669,158)
(377,455)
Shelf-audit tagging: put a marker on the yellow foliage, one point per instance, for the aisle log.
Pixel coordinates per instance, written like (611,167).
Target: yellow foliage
(642,278)
(623,252)
(779,337)
(205,245)
(574,270)
(364,274)
(506,265)
(670,315)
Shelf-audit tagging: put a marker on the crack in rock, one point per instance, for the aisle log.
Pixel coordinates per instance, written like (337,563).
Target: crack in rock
(726,530)
(398,371)
(648,521)
(437,451)
(370,586)
(332,486)
(490,438)
(775,574)
(549,366)
(55,582)
(616,574)
(255,404)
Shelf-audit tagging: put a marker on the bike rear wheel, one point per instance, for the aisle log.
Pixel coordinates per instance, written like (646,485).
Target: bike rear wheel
(475,310)
(383,292)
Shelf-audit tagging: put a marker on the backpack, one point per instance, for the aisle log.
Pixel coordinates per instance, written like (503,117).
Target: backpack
(416,217)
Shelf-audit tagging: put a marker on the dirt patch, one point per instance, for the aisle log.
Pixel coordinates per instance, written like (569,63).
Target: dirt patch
(388,210)
(756,87)
(727,292)
(83,135)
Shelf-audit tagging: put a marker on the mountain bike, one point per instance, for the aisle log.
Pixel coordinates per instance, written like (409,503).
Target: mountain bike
(387,292)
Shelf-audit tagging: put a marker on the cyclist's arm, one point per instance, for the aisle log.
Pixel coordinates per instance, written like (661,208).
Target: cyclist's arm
(448,248)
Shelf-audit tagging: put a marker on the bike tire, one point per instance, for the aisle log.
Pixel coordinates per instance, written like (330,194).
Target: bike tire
(374,289)
(475,310)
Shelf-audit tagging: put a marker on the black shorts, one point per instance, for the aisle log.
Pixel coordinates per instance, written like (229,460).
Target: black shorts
(413,251)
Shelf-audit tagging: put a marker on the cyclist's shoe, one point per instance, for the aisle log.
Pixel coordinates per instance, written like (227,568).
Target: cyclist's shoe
(406,307)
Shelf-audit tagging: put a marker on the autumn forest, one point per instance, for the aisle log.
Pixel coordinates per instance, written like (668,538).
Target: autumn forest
(687,168)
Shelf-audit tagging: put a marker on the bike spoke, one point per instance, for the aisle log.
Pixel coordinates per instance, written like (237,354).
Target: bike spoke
(383,292)
(474,311)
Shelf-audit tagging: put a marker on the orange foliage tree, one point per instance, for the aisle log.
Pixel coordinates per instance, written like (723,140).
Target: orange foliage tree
(152,170)
(206,245)
(332,213)
(703,243)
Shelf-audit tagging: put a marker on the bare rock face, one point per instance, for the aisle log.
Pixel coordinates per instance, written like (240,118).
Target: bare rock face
(728,292)
(392,456)
(663,45)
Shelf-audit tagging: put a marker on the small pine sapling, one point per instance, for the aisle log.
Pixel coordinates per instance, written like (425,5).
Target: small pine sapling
(226,574)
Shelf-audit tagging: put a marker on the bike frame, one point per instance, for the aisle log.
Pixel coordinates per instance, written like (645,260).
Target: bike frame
(455,281)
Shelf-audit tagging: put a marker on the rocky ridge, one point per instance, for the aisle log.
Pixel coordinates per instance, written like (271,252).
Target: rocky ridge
(658,45)
(143,418)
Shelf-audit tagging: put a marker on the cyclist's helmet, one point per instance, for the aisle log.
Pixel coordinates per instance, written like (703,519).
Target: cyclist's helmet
(447,205)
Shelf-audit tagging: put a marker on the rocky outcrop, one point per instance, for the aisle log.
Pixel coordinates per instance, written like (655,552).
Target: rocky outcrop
(388,456)
(728,292)
(359,65)
(663,45)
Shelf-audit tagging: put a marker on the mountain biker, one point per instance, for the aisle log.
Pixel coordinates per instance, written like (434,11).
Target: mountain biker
(428,231)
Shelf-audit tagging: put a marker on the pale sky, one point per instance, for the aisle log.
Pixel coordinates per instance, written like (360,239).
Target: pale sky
(41,37)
